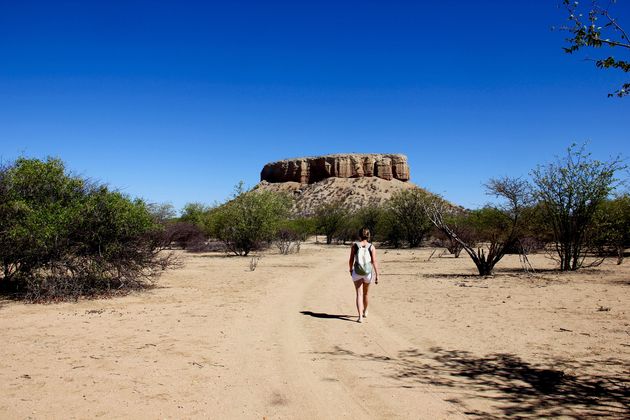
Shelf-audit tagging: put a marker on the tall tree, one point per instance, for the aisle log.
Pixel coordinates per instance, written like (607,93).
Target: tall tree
(570,190)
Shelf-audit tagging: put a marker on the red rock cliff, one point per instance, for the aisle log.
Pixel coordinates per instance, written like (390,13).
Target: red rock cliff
(313,169)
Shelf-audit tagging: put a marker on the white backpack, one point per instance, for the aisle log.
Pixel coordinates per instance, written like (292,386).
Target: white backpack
(362,259)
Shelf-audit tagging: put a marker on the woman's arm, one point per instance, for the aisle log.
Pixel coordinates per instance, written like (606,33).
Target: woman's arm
(351,262)
(374,263)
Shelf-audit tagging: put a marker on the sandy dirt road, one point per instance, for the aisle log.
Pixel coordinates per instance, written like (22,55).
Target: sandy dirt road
(217,340)
(307,326)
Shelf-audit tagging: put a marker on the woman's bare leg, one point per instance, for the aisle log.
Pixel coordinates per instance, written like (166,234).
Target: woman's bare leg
(366,287)
(359,299)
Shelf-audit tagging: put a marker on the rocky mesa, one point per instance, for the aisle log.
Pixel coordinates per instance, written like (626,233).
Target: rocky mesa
(355,180)
(309,170)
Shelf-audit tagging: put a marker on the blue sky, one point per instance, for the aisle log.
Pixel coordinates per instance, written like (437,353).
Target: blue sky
(178,101)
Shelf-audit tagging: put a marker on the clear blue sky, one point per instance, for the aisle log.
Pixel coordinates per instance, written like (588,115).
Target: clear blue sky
(178,101)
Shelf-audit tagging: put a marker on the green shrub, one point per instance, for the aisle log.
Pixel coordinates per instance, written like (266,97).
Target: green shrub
(249,220)
(330,218)
(195,213)
(303,227)
(611,227)
(405,218)
(370,217)
(63,237)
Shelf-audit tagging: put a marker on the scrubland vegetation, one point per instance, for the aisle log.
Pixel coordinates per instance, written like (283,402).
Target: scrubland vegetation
(568,211)
(63,236)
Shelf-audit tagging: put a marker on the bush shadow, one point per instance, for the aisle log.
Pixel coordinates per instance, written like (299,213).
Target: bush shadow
(451,276)
(512,386)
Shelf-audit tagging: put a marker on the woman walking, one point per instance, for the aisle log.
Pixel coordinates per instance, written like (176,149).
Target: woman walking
(363,268)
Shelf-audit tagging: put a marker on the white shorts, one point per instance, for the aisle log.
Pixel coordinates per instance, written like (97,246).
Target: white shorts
(357,277)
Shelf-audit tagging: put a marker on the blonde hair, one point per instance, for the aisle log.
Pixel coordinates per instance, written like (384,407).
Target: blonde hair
(364,234)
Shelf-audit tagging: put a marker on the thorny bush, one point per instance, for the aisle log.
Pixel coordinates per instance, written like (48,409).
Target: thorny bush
(62,237)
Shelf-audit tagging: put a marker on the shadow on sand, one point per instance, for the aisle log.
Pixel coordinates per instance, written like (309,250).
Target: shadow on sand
(322,315)
(512,386)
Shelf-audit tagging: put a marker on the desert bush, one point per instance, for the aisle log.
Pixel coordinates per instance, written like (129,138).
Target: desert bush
(570,190)
(458,222)
(292,232)
(330,219)
(163,213)
(347,232)
(390,231)
(253,263)
(186,235)
(195,213)
(64,237)
(38,202)
(611,227)
(405,218)
(287,241)
(536,226)
(369,216)
(528,245)
(249,220)
(302,226)
(185,232)
(497,227)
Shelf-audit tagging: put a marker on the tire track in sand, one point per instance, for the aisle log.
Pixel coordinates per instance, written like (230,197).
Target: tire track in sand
(358,359)
(316,365)
(288,364)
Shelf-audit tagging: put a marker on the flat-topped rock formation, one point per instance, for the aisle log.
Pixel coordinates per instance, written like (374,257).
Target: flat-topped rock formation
(309,170)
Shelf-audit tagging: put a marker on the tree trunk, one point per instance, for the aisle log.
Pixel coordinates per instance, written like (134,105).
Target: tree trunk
(485,268)
(485,264)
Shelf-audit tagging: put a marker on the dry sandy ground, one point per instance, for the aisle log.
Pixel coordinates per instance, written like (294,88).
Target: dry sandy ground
(216,340)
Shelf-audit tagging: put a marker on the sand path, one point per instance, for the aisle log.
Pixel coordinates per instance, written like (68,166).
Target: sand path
(306,327)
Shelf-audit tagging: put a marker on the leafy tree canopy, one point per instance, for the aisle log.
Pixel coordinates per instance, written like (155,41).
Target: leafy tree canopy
(594,26)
